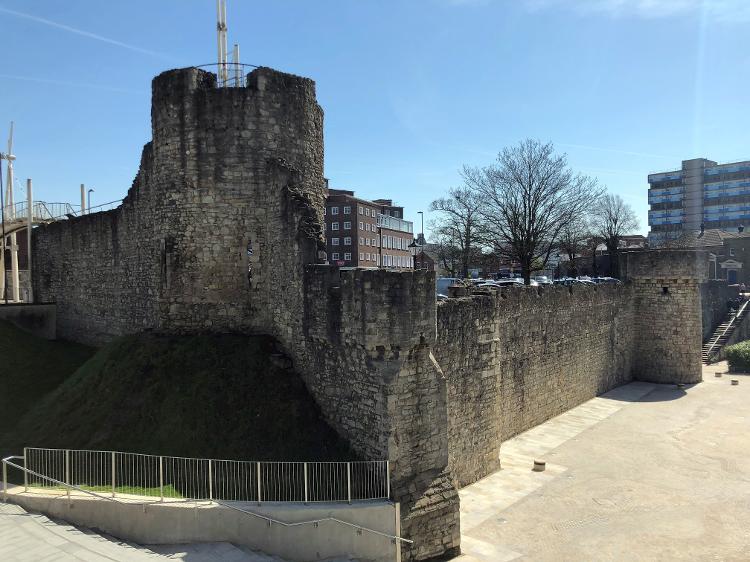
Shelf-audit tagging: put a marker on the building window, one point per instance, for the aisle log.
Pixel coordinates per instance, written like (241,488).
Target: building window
(348,256)
(367,256)
(347,210)
(334,241)
(395,214)
(361,225)
(324,211)
(731,251)
(361,241)
(361,211)
(334,256)
(367,212)
(347,241)
(347,225)
(361,256)
(334,210)
(334,226)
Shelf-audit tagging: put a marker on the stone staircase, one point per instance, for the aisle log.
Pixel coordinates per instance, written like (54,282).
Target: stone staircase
(721,335)
(33,536)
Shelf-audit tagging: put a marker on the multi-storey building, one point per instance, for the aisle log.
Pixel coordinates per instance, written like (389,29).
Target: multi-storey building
(361,233)
(701,194)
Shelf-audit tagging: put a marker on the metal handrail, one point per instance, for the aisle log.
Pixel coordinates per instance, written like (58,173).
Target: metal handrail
(731,321)
(7,462)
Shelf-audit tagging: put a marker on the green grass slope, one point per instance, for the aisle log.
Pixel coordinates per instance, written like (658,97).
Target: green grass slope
(30,368)
(219,396)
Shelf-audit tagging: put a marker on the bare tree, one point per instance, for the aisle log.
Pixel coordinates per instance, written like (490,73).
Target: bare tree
(574,241)
(529,195)
(447,254)
(459,221)
(613,219)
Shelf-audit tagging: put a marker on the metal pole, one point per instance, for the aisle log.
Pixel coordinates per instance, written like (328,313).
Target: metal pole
(349,481)
(88,204)
(388,479)
(83,199)
(25,472)
(5,481)
(29,224)
(114,474)
(210,480)
(2,258)
(260,496)
(305,482)
(161,477)
(67,470)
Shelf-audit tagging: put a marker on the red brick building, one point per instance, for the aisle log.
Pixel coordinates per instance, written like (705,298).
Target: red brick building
(361,233)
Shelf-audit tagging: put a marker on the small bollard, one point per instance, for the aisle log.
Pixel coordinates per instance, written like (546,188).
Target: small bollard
(735,382)
(539,466)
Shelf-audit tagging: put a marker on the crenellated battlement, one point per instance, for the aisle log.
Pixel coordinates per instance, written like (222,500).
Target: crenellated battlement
(371,308)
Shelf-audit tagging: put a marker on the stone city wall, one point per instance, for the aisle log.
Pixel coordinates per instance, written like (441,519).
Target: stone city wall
(518,358)
(368,342)
(216,234)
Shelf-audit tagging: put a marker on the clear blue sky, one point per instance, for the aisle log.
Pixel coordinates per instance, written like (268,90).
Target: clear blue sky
(411,89)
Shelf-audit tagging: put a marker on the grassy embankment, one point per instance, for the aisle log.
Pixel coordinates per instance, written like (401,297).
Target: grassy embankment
(211,396)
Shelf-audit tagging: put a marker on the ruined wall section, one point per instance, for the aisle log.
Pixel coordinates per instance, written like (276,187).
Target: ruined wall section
(667,314)
(518,358)
(101,269)
(368,344)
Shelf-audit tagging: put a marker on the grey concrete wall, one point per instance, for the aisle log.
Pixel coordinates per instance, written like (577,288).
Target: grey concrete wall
(516,359)
(183,523)
(37,319)
(714,309)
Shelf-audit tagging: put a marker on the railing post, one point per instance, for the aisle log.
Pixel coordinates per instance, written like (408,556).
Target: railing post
(305,482)
(5,481)
(210,480)
(26,470)
(349,482)
(388,479)
(67,470)
(114,474)
(161,477)
(260,496)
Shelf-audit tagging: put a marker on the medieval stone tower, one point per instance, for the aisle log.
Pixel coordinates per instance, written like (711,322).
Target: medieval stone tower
(221,232)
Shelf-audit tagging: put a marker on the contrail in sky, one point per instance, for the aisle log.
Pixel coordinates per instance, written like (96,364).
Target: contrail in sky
(615,150)
(83,33)
(73,84)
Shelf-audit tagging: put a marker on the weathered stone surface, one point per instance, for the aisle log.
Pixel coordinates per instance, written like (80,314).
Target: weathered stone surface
(515,359)
(220,232)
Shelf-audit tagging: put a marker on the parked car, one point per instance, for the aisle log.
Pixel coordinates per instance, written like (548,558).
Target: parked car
(543,280)
(607,281)
(443,283)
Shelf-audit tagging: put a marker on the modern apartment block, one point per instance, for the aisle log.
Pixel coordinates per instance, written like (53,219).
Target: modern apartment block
(361,233)
(701,194)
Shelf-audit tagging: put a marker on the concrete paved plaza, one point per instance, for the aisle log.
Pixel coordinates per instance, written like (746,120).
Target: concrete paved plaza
(645,472)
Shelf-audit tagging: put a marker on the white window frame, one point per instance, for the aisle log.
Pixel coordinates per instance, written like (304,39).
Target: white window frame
(347,256)
(347,210)
(334,241)
(347,240)
(334,256)
(347,225)
(334,210)
(334,226)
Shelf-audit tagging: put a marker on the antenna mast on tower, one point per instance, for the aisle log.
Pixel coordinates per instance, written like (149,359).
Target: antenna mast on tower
(221,29)
(221,32)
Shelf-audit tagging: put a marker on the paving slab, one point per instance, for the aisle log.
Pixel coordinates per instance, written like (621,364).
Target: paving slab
(645,472)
